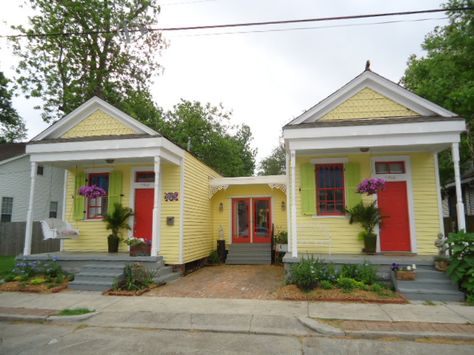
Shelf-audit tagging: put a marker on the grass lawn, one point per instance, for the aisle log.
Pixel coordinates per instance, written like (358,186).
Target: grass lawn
(6,264)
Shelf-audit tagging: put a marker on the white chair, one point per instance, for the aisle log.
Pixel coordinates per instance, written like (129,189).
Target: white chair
(54,228)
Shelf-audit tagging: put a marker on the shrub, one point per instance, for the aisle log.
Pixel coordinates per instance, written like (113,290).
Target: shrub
(213,258)
(328,273)
(350,271)
(365,272)
(135,277)
(376,288)
(347,284)
(48,269)
(281,237)
(37,281)
(326,285)
(461,267)
(306,274)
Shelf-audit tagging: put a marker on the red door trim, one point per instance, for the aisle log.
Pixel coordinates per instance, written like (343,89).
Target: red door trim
(267,238)
(235,238)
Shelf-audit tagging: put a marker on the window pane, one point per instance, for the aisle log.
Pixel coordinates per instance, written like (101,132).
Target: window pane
(397,168)
(53,209)
(330,188)
(381,168)
(7,209)
(145,176)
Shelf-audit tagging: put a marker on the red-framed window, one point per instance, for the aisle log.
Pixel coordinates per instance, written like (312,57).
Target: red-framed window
(97,207)
(390,167)
(145,176)
(330,189)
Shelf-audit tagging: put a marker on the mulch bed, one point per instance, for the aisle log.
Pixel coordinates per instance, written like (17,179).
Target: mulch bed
(293,293)
(17,286)
(129,293)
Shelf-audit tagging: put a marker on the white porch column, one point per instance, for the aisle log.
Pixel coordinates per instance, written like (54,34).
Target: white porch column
(155,239)
(288,202)
(457,182)
(294,237)
(29,214)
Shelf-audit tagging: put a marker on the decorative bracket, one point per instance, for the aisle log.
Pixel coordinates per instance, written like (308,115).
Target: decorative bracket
(214,189)
(281,187)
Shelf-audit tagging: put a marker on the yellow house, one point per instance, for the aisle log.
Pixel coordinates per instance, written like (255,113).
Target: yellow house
(370,128)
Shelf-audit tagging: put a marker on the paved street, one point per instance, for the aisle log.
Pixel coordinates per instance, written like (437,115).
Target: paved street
(33,338)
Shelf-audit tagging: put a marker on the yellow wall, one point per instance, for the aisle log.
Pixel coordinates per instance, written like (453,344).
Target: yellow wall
(224,218)
(98,124)
(198,240)
(367,104)
(344,235)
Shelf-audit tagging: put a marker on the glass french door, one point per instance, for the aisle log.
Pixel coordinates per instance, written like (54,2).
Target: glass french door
(251,220)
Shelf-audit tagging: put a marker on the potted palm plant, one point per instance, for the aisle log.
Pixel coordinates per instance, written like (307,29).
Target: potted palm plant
(369,217)
(116,221)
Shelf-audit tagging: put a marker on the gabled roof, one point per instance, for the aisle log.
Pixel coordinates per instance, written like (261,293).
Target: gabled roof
(85,110)
(385,87)
(11,151)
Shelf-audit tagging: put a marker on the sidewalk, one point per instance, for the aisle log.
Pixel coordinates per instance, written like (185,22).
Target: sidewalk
(249,316)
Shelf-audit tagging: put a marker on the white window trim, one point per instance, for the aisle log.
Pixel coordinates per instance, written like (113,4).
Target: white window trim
(407,177)
(329,161)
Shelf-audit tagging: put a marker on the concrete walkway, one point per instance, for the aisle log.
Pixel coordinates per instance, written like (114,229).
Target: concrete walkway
(243,316)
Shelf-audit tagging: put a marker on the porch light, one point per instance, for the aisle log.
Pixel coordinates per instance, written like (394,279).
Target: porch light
(221,207)
(364,149)
(109,161)
(283,205)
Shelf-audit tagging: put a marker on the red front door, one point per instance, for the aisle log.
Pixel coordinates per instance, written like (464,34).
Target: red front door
(251,220)
(241,220)
(395,229)
(143,213)
(262,232)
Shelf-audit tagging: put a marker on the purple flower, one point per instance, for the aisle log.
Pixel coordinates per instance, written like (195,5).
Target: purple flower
(371,186)
(92,191)
(395,267)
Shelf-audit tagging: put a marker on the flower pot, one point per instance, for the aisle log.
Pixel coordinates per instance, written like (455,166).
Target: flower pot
(140,250)
(441,265)
(370,244)
(406,275)
(113,243)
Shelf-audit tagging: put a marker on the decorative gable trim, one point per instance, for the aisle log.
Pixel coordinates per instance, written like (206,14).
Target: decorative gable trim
(385,87)
(85,110)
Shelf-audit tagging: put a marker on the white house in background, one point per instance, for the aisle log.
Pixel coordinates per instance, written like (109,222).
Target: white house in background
(15,186)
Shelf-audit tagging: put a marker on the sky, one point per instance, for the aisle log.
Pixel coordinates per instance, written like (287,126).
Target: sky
(265,78)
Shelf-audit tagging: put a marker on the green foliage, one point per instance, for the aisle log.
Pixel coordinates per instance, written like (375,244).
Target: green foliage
(7,263)
(445,75)
(12,127)
(213,258)
(118,219)
(38,272)
(38,281)
(326,285)
(347,284)
(367,215)
(461,267)
(365,273)
(224,147)
(306,273)
(114,60)
(281,237)
(135,277)
(74,311)
(275,163)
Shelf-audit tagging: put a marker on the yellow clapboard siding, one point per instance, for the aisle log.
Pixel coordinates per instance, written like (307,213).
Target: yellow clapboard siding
(198,241)
(224,218)
(368,103)
(98,123)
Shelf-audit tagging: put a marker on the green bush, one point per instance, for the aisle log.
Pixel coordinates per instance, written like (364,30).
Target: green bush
(346,284)
(306,274)
(135,277)
(281,237)
(461,267)
(365,272)
(213,258)
(326,285)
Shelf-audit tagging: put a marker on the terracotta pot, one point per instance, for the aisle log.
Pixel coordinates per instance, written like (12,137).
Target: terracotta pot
(140,250)
(441,265)
(406,275)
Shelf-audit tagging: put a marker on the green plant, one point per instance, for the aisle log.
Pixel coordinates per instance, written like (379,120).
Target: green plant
(118,219)
(326,285)
(281,237)
(461,267)
(346,284)
(365,273)
(74,311)
(38,281)
(7,263)
(377,288)
(306,274)
(135,277)
(213,258)
(367,215)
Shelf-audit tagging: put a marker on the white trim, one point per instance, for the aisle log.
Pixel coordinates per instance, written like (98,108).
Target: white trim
(85,110)
(63,212)
(379,84)
(29,213)
(329,161)
(438,194)
(181,212)
(294,232)
(98,170)
(407,177)
(249,180)
(155,243)
(12,159)
(288,214)
(460,212)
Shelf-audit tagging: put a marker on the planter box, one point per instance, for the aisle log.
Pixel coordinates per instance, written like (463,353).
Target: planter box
(281,248)
(406,275)
(142,250)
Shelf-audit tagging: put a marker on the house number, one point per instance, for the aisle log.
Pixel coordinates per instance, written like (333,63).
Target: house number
(171,196)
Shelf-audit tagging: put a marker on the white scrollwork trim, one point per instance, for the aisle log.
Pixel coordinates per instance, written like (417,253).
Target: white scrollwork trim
(281,187)
(214,189)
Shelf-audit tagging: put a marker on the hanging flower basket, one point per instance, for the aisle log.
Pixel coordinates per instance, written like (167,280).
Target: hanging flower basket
(92,191)
(371,186)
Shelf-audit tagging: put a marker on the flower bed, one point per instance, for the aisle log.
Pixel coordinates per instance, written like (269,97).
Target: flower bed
(135,281)
(17,286)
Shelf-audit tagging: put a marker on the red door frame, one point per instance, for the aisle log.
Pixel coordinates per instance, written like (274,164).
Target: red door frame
(235,238)
(398,237)
(151,191)
(268,237)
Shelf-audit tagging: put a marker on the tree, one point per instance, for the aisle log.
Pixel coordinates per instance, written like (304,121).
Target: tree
(275,163)
(205,128)
(445,75)
(77,49)
(12,127)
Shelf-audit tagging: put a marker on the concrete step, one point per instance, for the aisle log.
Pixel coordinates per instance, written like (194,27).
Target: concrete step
(97,276)
(427,285)
(104,266)
(431,295)
(167,278)
(250,247)
(90,285)
(248,262)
